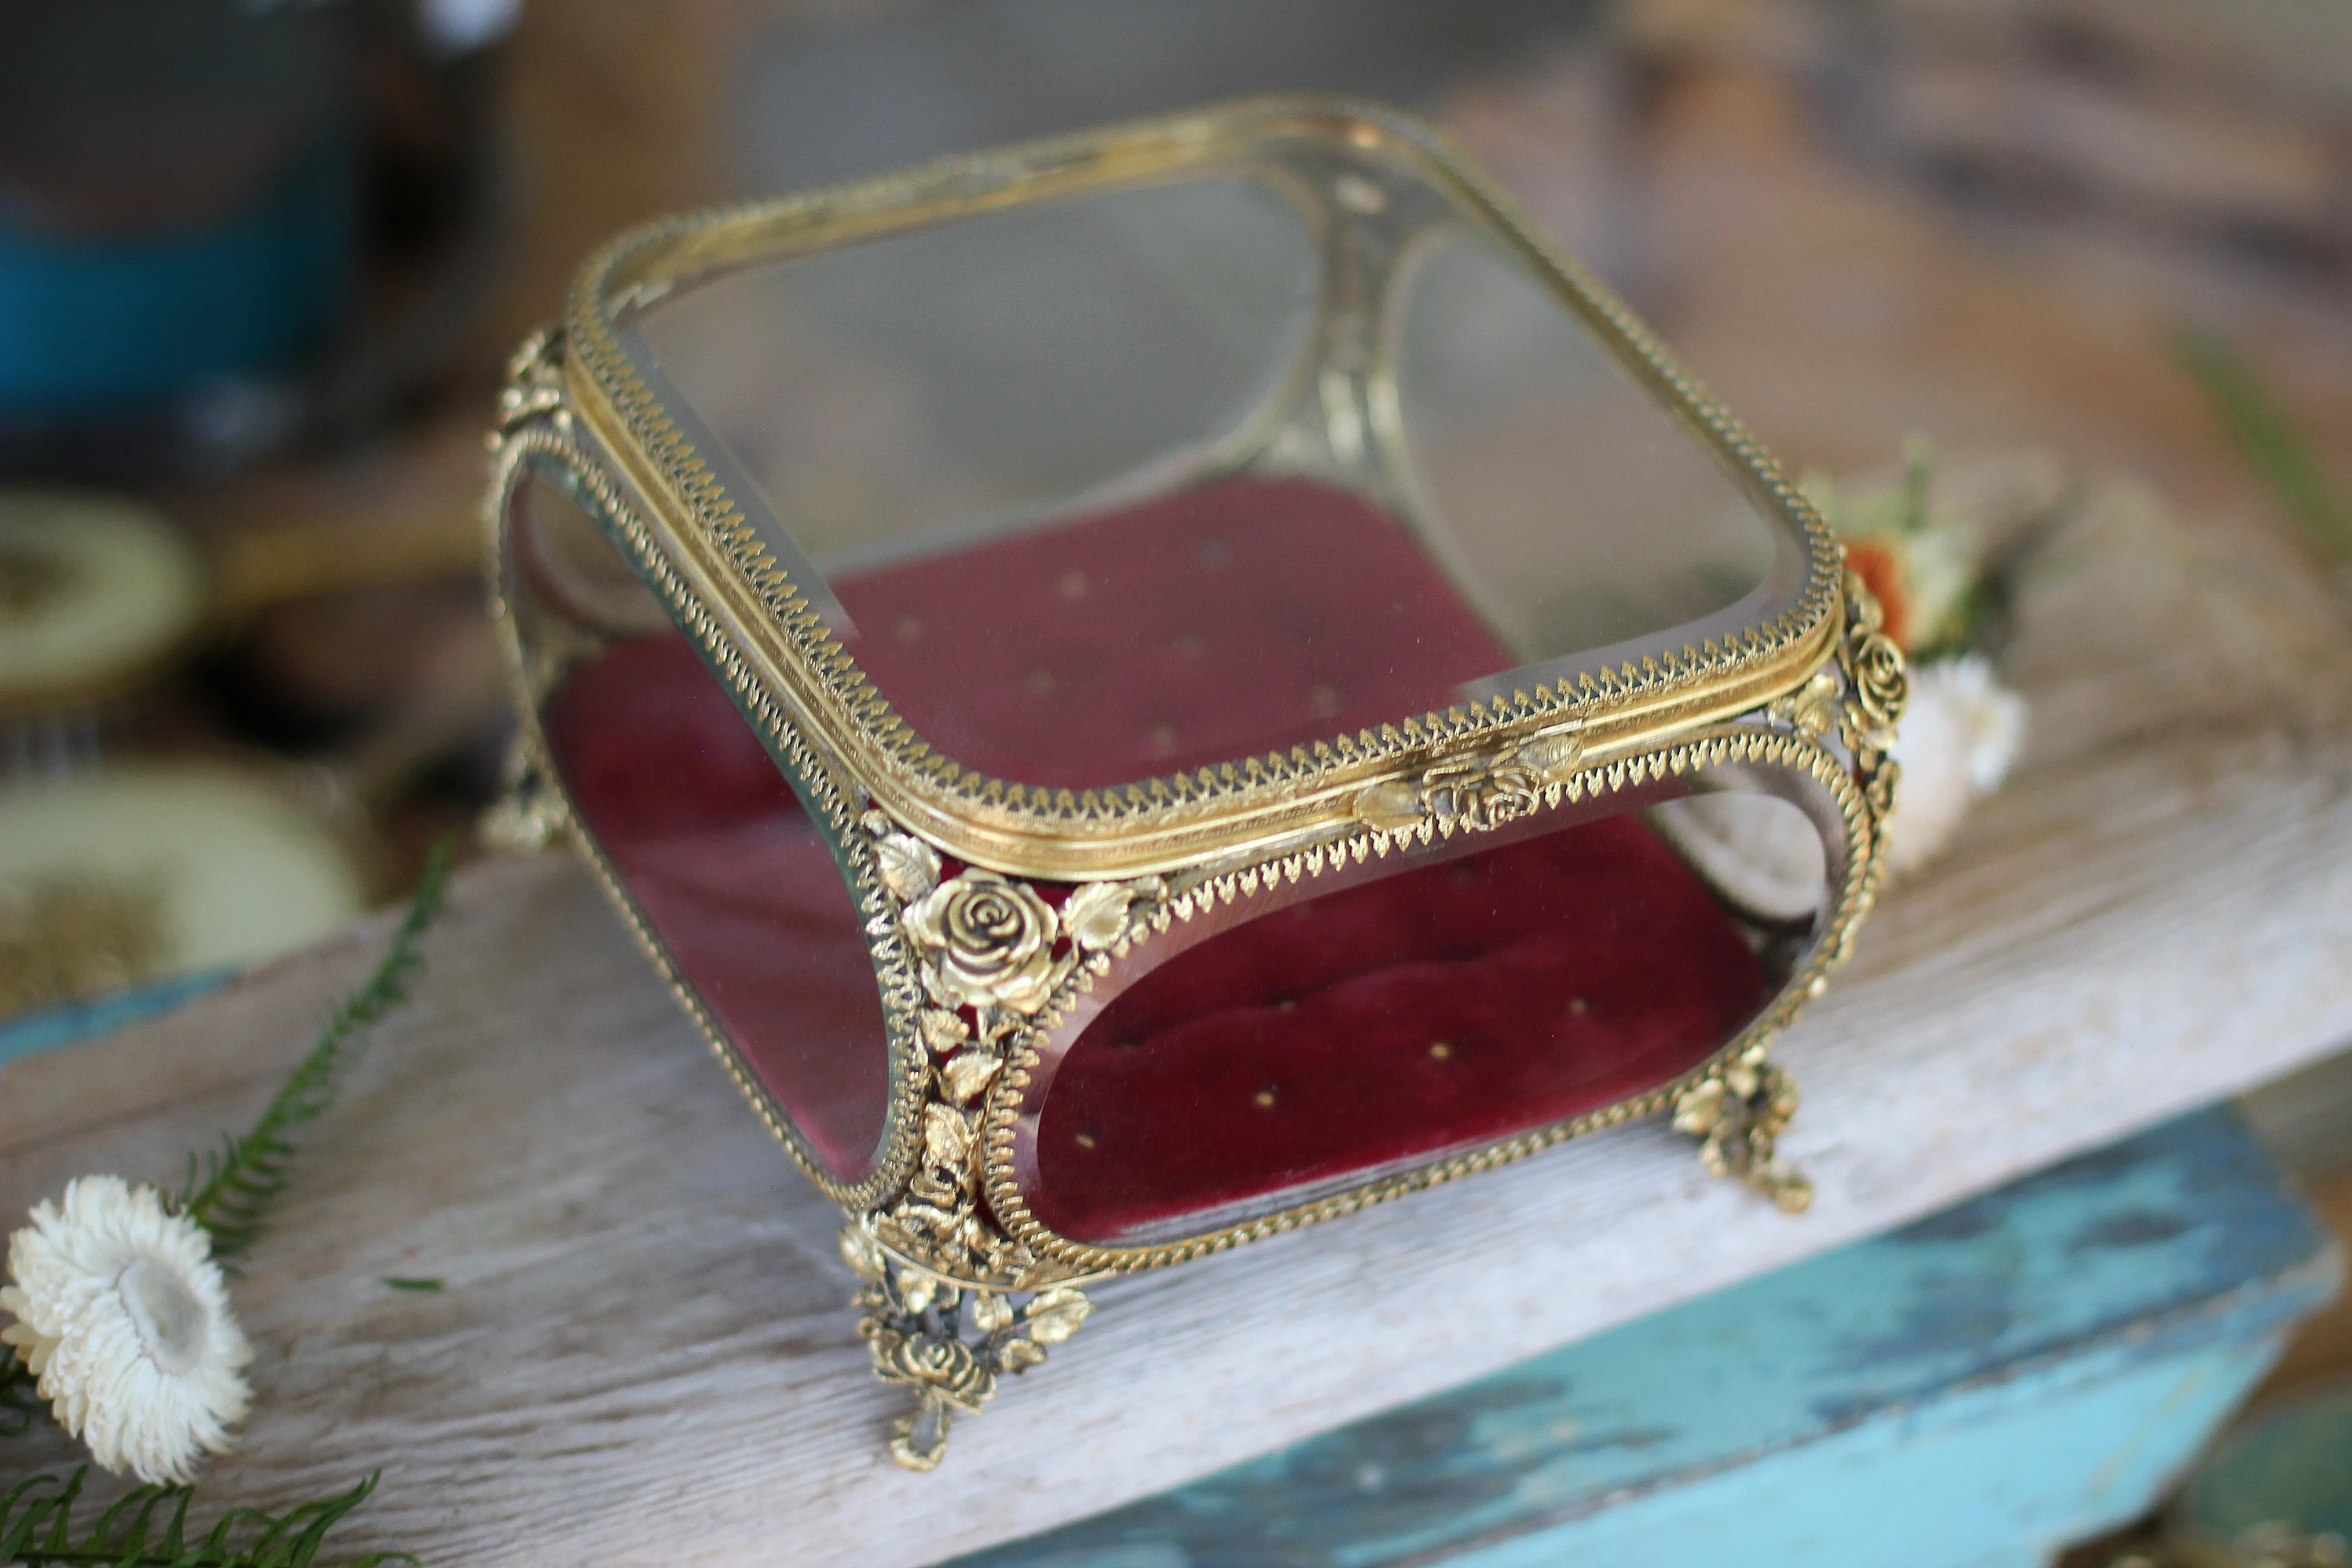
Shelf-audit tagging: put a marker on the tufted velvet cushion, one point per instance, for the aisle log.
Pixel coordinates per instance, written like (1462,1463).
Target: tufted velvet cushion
(1444,1006)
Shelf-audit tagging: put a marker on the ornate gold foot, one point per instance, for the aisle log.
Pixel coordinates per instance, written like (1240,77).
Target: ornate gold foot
(948,1339)
(1738,1113)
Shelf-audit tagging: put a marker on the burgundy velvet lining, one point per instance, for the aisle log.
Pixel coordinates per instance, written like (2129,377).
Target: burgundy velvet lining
(1558,973)
(1239,619)
(1441,1007)
(736,881)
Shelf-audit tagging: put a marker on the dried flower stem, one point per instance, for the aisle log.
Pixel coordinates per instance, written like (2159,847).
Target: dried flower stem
(2269,438)
(240,1182)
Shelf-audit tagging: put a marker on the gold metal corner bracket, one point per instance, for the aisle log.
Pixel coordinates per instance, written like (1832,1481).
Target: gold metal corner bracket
(949,1304)
(1739,1110)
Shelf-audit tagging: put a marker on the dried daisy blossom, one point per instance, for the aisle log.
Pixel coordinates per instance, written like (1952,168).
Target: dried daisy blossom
(1960,734)
(123,1320)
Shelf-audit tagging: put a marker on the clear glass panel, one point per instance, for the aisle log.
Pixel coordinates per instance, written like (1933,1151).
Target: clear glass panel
(1584,514)
(920,393)
(1418,1007)
(736,881)
(1140,481)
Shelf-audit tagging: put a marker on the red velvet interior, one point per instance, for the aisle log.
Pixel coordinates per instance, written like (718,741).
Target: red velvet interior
(1239,619)
(1444,1006)
(1558,973)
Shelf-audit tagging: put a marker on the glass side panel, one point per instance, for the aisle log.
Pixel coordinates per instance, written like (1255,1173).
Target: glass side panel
(738,884)
(1584,514)
(1121,484)
(1428,1009)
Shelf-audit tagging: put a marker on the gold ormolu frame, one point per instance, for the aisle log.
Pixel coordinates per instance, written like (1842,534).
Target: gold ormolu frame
(960,1283)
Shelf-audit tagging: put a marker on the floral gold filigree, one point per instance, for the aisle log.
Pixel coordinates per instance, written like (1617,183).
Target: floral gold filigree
(1812,708)
(1739,1115)
(1481,795)
(1880,686)
(948,1303)
(534,381)
(987,942)
(1394,806)
(1877,681)
(1477,792)
(949,1340)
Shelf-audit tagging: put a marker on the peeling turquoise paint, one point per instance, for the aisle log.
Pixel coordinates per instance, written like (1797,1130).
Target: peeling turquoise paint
(1970,1392)
(73,1022)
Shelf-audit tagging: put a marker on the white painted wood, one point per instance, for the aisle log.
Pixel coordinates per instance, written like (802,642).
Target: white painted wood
(643,1353)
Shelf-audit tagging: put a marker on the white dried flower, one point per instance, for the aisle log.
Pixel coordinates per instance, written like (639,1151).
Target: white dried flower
(1960,733)
(124,1321)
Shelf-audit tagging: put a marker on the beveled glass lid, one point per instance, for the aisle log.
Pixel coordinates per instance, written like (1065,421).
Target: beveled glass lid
(1111,502)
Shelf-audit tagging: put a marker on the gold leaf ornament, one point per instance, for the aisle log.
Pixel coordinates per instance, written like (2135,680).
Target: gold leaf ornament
(1863,614)
(1100,914)
(943,1031)
(1700,1108)
(1551,758)
(968,1074)
(947,1136)
(1056,1315)
(1811,708)
(1014,1355)
(991,1311)
(909,867)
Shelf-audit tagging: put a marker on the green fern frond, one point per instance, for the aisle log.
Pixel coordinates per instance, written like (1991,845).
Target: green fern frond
(239,1182)
(36,1530)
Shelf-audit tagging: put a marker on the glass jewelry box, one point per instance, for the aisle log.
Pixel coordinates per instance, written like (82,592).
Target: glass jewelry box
(1160,685)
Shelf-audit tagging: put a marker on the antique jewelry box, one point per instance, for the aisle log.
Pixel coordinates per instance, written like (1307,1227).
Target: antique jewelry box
(1156,687)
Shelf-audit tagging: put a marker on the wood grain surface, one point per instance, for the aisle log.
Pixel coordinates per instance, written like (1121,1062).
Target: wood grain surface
(644,1354)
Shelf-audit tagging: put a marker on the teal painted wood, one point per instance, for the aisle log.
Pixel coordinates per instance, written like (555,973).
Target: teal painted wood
(63,1025)
(1972,1391)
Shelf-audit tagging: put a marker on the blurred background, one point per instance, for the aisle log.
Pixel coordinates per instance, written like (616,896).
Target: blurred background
(262,261)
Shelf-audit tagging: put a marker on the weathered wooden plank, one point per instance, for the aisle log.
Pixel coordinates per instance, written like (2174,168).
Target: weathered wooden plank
(2019,1371)
(644,1354)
